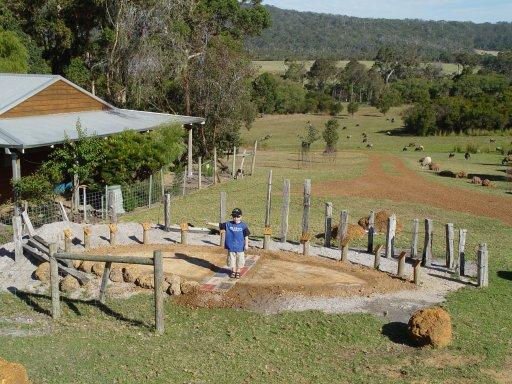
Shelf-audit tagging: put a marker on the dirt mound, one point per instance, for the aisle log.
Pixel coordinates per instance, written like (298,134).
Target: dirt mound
(188,287)
(486,183)
(431,326)
(12,373)
(69,284)
(381,222)
(353,232)
(145,281)
(129,274)
(116,275)
(86,266)
(42,272)
(97,268)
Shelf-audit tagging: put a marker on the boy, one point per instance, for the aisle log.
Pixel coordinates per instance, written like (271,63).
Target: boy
(236,242)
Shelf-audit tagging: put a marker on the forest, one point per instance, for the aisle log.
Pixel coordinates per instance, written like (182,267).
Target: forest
(308,36)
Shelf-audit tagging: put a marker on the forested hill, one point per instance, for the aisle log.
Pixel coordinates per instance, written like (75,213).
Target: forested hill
(307,35)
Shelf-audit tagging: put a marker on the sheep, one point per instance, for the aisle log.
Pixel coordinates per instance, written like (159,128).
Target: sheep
(388,133)
(363,134)
(506,160)
(467,155)
(349,136)
(369,145)
(393,120)
(425,161)
(344,127)
(419,148)
(434,167)
(405,149)
(357,125)
(412,144)
(365,140)
(451,155)
(491,140)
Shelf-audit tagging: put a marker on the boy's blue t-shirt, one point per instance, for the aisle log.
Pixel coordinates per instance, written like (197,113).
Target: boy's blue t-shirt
(235,235)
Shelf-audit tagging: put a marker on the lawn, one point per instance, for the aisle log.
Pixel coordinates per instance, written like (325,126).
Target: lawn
(115,343)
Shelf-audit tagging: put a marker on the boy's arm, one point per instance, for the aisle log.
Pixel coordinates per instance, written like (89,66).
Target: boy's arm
(246,238)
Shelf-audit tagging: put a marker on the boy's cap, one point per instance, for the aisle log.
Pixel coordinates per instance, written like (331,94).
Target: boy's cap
(237,212)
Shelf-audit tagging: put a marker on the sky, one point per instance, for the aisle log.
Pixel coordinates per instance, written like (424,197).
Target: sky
(478,11)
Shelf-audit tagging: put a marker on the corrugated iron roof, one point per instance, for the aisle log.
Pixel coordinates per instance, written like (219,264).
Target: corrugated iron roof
(45,130)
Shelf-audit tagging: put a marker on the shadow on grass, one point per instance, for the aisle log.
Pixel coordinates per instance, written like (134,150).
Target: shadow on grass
(397,332)
(31,299)
(486,176)
(396,132)
(507,275)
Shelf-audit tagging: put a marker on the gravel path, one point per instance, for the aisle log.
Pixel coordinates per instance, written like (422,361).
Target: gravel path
(436,282)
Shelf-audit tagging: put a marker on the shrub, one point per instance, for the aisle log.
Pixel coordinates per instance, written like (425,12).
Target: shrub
(33,188)
(331,135)
(352,107)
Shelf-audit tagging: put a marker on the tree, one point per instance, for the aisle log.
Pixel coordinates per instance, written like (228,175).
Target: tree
(420,119)
(336,108)
(331,135)
(352,107)
(321,73)
(295,71)
(13,54)
(389,97)
(264,92)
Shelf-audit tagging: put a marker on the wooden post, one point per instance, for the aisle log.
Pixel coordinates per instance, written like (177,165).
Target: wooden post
(483,266)
(184,233)
(28,224)
(450,259)
(17,232)
(285,210)
(414,241)
(427,248)
(150,191)
(63,211)
(268,203)
(67,240)
(189,156)
(84,197)
(416,263)
(158,274)
(242,163)
(371,231)
(343,235)
(401,264)
(145,230)
(233,171)
(254,157)
(200,172)
(305,238)
(87,237)
(184,184)
(376,253)
(113,230)
(54,282)
(214,165)
(162,185)
(112,207)
(328,224)
(104,281)
(167,212)
(460,265)
(390,237)
(222,216)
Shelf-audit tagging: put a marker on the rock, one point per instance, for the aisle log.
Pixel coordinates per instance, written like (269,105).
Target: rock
(174,289)
(476,180)
(189,286)
(434,167)
(116,275)
(486,183)
(462,175)
(431,326)
(145,281)
(69,284)
(129,274)
(12,373)
(173,279)
(86,266)
(165,286)
(42,272)
(97,268)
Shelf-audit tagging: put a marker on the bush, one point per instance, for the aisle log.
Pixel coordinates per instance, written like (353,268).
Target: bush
(331,135)
(33,188)
(352,107)
(336,108)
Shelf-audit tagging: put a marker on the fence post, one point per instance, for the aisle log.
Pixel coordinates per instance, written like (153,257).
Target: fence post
(460,265)
(184,184)
(167,212)
(342,233)
(328,224)
(145,230)
(414,242)
(483,265)
(242,163)
(214,165)
(416,263)
(427,248)
(67,240)
(84,197)
(233,171)
(200,172)
(113,230)
(222,216)
(17,232)
(87,237)
(54,282)
(376,253)
(268,203)
(158,274)
(285,210)
(450,260)
(254,157)
(371,231)
(63,211)
(150,192)
(104,281)
(401,264)
(184,233)
(112,207)
(188,170)
(390,237)
(305,217)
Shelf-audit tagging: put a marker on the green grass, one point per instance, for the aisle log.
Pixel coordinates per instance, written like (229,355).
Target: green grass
(116,343)
(278,67)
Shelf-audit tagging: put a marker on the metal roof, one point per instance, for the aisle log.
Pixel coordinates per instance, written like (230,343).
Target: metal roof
(45,130)
(16,88)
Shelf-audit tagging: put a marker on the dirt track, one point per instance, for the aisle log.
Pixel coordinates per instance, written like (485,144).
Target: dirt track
(404,184)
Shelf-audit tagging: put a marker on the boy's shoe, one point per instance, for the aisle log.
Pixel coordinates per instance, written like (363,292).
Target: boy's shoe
(232,275)
(237,275)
